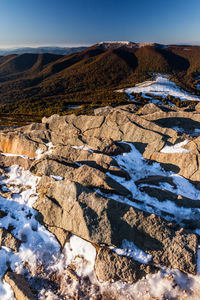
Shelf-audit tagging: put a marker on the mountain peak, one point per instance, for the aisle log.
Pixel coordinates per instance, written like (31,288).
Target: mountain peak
(128,44)
(115,44)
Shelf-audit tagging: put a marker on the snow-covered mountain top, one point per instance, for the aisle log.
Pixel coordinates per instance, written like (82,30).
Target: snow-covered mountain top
(116,44)
(129,44)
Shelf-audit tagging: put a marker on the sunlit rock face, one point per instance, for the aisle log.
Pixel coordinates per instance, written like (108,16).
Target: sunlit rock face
(101,206)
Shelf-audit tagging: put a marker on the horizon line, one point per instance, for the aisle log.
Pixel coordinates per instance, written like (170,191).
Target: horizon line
(14,47)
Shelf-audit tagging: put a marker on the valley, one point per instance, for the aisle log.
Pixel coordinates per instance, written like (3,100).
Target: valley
(44,84)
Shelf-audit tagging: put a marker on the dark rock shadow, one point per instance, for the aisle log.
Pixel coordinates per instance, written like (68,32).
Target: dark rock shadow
(140,146)
(184,123)
(121,229)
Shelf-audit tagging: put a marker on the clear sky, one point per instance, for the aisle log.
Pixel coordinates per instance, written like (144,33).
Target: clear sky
(86,22)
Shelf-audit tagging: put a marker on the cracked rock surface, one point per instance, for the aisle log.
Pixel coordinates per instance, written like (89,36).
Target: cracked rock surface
(108,180)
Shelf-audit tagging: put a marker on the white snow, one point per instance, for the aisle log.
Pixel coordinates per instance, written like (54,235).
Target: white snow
(177,148)
(83,148)
(130,249)
(40,152)
(81,254)
(50,148)
(116,42)
(139,168)
(6,292)
(161,86)
(37,243)
(10,154)
(57,178)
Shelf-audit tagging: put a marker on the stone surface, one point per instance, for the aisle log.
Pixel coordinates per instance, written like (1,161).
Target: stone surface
(61,234)
(103,111)
(7,161)
(18,143)
(197,107)
(85,175)
(149,108)
(70,206)
(20,286)
(109,266)
(177,162)
(8,240)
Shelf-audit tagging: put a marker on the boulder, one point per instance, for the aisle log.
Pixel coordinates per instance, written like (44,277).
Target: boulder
(53,166)
(18,143)
(61,234)
(149,109)
(69,205)
(124,126)
(109,266)
(20,287)
(85,175)
(177,162)
(94,178)
(103,111)
(188,122)
(8,240)
(197,108)
(7,161)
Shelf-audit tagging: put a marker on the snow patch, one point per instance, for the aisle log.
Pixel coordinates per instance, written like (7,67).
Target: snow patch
(161,86)
(40,152)
(57,178)
(10,154)
(6,292)
(81,254)
(83,148)
(177,148)
(140,168)
(131,250)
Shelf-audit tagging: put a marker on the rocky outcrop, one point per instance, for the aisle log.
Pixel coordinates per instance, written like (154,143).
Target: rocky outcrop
(184,121)
(102,220)
(102,180)
(84,174)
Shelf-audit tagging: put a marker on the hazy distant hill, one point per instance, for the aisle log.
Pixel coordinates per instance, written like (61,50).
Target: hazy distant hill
(48,83)
(53,50)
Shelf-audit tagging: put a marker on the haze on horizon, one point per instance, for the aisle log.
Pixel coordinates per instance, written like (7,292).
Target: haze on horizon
(36,23)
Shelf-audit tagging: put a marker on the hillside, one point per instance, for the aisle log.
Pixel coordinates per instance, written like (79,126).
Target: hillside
(41,84)
(39,50)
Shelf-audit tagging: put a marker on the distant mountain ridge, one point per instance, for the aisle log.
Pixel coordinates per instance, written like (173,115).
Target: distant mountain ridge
(39,50)
(48,83)
(128,44)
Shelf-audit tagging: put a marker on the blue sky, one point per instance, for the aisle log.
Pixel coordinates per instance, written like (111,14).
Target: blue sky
(86,22)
